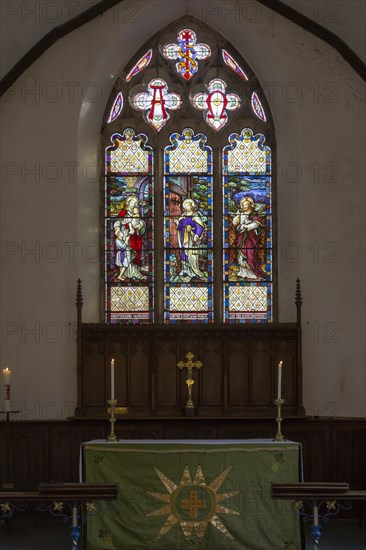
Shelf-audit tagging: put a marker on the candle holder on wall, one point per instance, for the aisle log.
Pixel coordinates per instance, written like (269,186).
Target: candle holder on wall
(279,403)
(114,411)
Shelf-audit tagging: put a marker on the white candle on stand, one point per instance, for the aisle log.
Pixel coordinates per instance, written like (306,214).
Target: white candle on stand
(279,380)
(6,375)
(112,379)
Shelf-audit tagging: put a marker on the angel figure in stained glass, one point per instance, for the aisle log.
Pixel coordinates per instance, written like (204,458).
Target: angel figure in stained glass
(128,230)
(249,229)
(190,228)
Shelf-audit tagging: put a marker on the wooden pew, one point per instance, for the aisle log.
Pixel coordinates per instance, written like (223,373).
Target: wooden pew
(321,498)
(57,498)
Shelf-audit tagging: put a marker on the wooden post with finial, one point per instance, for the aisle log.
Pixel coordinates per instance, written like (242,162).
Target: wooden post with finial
(79,351)
(298,302)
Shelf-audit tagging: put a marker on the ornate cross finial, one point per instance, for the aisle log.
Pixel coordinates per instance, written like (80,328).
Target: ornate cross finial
(298,299)
(298,303)
(79,295)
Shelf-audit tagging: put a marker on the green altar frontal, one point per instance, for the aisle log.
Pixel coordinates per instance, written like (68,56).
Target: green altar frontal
(207,495)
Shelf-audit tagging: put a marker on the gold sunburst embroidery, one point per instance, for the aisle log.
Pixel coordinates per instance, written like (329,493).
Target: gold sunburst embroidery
(193,504)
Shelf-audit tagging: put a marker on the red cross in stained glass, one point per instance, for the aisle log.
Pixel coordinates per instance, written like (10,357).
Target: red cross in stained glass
(187,52)
(187,40)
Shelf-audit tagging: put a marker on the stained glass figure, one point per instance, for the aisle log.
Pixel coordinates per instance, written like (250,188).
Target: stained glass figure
(257,107)
(116,108)
(141,64)
(247,234)
(216,102)
(230,62)
(129,228)
(187,52)
(157,101)
(188,228)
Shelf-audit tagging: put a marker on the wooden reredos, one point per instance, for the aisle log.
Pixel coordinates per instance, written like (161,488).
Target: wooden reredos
(238,377)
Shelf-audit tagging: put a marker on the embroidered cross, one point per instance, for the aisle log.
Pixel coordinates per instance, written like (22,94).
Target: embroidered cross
(193,504)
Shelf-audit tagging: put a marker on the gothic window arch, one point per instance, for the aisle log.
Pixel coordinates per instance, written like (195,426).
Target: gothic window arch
(188,143)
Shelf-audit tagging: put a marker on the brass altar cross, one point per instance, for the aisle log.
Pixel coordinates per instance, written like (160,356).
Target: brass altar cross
(189,365)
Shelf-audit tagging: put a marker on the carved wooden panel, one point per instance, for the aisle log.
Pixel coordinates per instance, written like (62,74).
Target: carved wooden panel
(238,376)
(139,374)
(262,374)
(211,374)
(95,378)
(166,374)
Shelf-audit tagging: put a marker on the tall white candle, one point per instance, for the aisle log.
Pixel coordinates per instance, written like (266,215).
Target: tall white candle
(279,380)
(112,379)
(6,375)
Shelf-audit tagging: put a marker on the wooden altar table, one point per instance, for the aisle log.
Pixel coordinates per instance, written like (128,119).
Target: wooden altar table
(194,494)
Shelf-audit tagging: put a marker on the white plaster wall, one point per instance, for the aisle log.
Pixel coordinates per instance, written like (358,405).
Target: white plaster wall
(318,107)
(24,22)
(345,18)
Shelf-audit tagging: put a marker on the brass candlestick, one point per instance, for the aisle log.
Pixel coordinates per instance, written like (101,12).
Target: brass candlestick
(279,403)
(190,404)
(112,419)
(114,411)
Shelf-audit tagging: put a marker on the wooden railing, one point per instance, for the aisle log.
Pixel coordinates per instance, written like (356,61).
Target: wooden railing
(73,502)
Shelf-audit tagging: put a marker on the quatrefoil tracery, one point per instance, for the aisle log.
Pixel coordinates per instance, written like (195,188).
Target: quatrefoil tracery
(216,102)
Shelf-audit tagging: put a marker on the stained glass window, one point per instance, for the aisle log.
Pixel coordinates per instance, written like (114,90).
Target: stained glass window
(257,107)
(140,65)
(157,101)
(116,108)
(129,228)
(216,102)
(230,62)
(188,228)
(187,52)
(247,229)
(197,222)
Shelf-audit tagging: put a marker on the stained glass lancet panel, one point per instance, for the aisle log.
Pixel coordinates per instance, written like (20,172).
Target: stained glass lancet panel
(188,228)
(247,229)
(128,228)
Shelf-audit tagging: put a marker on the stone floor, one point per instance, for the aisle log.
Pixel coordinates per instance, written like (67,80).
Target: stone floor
(48,533)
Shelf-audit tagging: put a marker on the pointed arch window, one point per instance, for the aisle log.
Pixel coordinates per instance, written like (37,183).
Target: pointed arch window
(188,143)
